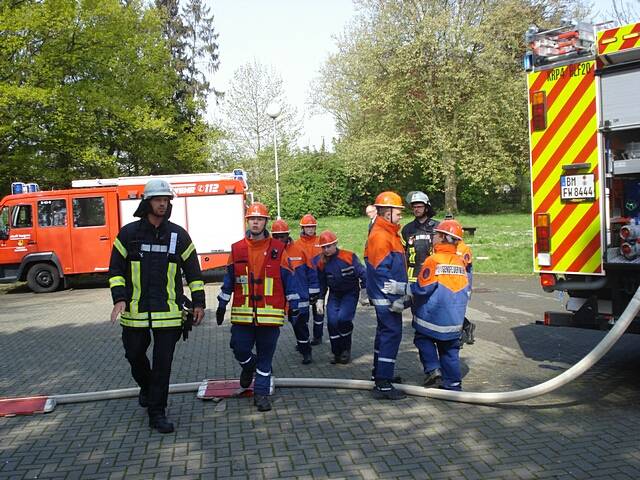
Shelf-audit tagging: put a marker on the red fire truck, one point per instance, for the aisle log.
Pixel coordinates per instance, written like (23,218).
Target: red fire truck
(48,236)
(584,132)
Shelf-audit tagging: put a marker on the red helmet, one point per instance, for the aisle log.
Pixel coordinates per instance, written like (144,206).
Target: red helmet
(450,227)
(389,199)
(257,209)
(308,220)
(327,238)
(279,226)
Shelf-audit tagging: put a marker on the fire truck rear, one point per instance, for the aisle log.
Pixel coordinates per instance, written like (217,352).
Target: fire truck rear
(584,132)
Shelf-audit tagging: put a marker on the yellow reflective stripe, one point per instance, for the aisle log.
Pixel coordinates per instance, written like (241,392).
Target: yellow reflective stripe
(118,244)
(242,310)
(135,316)
(165,315)
(135,279)
(171,288)
(117,281)
(196,286)
(127,322)
(166,323)
(241,320)
(268,286)
(263,321)
(191,248)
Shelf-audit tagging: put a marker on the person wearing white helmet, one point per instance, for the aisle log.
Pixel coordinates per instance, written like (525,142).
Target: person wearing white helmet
(148,260)
(418,234)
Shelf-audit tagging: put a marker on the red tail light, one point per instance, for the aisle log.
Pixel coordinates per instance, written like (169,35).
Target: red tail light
(538,111)
(547,279)
(543,232)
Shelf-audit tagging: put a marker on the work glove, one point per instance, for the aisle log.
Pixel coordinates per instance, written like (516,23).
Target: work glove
(220,315)
(400,304)
(320,306)
(392,287)
(313,297)
(364,298)
(293,315)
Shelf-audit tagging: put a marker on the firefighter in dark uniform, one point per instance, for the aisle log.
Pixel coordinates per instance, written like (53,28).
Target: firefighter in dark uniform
(148,259)
(418,234)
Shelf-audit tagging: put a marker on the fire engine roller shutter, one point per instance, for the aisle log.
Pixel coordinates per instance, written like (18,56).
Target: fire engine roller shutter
(570,137)
(619,108)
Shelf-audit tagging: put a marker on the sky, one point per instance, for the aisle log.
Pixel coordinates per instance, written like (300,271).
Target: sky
(292,36)
(295,38)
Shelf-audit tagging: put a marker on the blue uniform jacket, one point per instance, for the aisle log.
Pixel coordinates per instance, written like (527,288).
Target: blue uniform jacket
(341,272)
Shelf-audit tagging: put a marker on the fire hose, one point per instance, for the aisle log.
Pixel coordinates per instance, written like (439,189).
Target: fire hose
(487,398)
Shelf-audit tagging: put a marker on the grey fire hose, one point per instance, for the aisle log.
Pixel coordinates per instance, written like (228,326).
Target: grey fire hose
(467,397)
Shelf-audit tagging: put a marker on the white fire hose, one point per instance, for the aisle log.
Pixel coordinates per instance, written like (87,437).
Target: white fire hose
(467,397)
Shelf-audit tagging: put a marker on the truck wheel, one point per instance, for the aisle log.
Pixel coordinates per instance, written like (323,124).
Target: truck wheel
(43,278)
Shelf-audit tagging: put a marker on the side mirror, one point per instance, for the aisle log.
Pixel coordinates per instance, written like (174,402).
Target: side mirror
(4,233)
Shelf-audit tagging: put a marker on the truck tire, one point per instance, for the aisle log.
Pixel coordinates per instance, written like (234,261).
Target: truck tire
(43,278)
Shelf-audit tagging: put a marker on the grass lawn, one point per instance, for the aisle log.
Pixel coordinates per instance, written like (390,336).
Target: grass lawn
(501,244)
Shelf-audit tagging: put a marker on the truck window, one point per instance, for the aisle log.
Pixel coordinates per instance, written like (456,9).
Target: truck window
(21,216)
(52,213)
(4,221)
(88,212)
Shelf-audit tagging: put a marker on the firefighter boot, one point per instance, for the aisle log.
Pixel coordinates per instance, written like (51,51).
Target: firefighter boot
(345,357)
(262,402)
(433,379)
(161,424)
(246,376)
(306,358)
(143,398)
(316,341)
(384,390)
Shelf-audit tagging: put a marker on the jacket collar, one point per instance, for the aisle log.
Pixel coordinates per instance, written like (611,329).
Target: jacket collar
(386,225)
(445,248)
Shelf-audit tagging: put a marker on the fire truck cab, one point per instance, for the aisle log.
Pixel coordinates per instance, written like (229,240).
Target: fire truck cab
(584,132)
(48,236)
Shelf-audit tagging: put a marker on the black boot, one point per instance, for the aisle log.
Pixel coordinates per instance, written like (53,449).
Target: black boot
(161,424)
(335,359)
(384,390)
(262,402)
(345,357)
(433,379)
(316,341)
(306,358)
(246,376)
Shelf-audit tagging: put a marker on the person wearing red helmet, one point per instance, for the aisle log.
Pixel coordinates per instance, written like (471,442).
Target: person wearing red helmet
(341,273)
(298,264)
(307,243)
(261,284)
(440,298)
(385,261)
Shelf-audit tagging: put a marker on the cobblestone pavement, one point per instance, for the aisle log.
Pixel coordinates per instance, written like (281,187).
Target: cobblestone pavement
(62,343)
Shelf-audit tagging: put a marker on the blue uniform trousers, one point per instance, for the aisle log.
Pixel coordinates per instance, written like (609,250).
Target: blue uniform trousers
(318,323)
(442,354)
(341,308)
(301,331)
(387,343)
(265,339)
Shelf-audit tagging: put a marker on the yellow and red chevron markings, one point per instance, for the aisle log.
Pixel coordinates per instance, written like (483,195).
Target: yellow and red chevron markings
(570,137)
(617,39)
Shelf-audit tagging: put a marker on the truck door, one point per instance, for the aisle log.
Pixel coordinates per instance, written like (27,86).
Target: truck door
(16,221)
(53,230)
(90,236)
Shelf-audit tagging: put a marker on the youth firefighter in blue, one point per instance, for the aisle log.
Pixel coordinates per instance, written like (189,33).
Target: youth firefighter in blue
(341,273)
(297,263)
(260,281)
(145,275)
(385,261)
(440,298)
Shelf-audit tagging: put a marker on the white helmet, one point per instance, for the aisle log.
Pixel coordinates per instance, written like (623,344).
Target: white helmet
(419,197)
(157,188)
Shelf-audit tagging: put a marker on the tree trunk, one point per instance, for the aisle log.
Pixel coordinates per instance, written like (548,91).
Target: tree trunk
(450,185)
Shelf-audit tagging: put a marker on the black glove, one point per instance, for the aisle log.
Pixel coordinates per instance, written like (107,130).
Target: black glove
(220,315)
(293,314)
(313,297)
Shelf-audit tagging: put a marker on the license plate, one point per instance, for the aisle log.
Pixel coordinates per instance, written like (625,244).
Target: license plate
(577,188)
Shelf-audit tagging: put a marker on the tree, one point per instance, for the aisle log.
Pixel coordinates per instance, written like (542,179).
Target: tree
(429,93)
(244,107)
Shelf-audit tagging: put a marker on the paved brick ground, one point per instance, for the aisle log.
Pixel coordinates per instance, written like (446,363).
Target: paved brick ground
(62,343)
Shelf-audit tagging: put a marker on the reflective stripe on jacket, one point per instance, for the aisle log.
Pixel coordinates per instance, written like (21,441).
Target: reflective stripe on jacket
(341,272)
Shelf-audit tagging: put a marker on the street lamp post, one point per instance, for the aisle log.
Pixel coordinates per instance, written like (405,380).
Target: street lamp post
(273,110)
